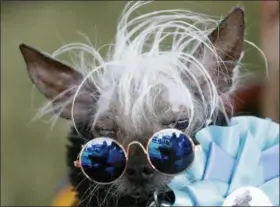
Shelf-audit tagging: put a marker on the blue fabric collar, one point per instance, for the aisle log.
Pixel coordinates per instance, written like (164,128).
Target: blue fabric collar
(243,154)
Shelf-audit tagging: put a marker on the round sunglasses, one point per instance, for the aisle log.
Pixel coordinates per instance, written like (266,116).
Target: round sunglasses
(103,160)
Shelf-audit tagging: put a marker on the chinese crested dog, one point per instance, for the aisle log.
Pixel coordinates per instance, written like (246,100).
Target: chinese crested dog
(165,69)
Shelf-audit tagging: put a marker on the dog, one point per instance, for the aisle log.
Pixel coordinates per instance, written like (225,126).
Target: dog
(165,69)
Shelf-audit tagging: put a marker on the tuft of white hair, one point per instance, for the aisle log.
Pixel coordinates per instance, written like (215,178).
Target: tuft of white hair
(153,52)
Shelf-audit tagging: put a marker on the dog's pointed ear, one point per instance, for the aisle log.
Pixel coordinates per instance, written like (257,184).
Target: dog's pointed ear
(227,43)
(58,83)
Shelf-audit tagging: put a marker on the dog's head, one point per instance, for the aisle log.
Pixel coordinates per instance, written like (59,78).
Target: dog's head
(145,85)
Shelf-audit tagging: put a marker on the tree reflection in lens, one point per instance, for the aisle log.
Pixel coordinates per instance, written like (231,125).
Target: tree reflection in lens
(103,160)
(170,152)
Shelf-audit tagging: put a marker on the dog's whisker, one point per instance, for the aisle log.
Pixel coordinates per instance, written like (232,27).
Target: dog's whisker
(92,194)
(78,185)
(91,189)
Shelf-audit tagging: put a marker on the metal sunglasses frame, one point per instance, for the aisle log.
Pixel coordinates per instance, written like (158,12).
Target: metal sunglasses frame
(78,164)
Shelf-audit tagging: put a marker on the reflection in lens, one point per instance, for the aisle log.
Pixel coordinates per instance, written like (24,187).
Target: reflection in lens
(103,160)
(170,151)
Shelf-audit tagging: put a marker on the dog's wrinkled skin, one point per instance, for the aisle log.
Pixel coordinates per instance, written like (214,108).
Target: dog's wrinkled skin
(54,79)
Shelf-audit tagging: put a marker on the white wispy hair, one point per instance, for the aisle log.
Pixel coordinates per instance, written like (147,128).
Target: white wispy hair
(153,53)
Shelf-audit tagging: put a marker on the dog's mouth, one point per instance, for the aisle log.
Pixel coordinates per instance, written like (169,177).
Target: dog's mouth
(127,193)
(147,191)
(141,196)
(151,196)
(142,193)
(146,188)
(166,196)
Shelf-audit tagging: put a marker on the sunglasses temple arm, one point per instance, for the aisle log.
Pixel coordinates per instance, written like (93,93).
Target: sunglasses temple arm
(77,164)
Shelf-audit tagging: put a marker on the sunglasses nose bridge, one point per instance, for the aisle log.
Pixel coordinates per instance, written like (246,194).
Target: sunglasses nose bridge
(136,143)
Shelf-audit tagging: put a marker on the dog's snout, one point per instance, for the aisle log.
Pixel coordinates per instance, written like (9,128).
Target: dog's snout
(138,168)
(138,173)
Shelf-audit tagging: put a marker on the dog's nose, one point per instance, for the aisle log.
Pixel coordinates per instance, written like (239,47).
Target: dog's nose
(139,173)
(138,168)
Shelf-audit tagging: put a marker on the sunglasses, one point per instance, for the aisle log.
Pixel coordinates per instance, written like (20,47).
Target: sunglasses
(103,160)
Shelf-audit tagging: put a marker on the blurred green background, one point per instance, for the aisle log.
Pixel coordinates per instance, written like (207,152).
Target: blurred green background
(33,153)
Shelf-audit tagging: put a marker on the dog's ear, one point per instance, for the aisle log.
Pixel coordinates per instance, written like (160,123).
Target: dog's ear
(227,41)
(58,83)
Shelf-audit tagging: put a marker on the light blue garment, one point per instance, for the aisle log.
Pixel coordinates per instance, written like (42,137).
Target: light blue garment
(246,153)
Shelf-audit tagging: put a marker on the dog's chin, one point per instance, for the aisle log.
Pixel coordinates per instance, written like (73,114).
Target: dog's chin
(143,190)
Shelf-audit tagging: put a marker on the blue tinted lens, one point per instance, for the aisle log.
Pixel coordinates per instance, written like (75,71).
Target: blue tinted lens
(170,151)
(103,160)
